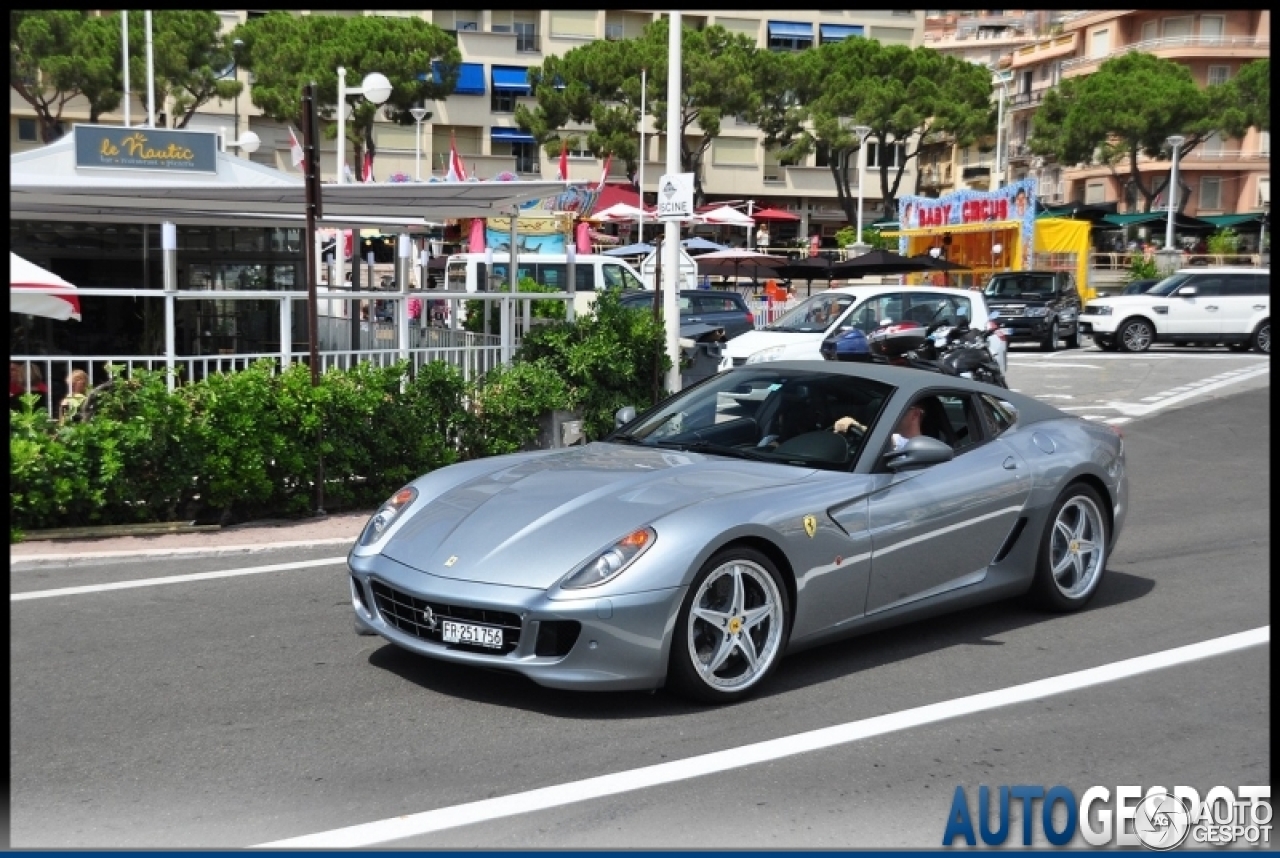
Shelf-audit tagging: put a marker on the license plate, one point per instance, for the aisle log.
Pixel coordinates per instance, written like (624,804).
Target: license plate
(465,633)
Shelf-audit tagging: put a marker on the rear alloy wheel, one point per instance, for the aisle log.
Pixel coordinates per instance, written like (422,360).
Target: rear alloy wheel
(1050,343)
(1073,339)
(731,629)
(1261,340)
(1136,335)
(1073,551)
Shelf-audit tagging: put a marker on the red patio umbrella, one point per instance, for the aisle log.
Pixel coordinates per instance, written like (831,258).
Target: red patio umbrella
(773,214)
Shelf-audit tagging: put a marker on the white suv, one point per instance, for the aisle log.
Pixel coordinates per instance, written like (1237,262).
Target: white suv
(1193,305)
(798,334)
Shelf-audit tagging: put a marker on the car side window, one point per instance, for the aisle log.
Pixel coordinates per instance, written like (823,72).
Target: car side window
(612,275)
(1259,284)
(1207,287)
(584,278)
(998,415)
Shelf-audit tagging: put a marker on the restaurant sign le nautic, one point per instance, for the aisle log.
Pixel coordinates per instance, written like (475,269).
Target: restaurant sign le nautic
(113,147)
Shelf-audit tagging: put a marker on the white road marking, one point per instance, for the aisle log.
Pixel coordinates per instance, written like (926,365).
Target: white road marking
(417,824)
(207,551)
(1040,365)
(174,579)
(1133,409)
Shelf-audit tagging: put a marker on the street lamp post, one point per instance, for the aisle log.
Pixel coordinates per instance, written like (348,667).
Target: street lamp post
(998,180)
(374,87)
(419,114)
(862,131)
(1175,141)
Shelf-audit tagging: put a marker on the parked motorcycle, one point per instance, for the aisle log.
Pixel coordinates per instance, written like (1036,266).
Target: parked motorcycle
(952,350)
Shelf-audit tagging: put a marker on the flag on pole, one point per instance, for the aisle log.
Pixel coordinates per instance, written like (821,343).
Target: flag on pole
(605,174)
(295,150)
(367,171)
(457,171)
(563,174)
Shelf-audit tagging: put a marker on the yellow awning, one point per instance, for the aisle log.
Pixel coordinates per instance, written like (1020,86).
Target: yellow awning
(955,229)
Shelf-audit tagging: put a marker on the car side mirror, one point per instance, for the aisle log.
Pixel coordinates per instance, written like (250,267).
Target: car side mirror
(1186,291)
(623,416)
(920,452)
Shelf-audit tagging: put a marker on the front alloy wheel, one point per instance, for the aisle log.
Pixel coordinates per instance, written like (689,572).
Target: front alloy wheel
(731,628)
(1073,551)
(1136,335)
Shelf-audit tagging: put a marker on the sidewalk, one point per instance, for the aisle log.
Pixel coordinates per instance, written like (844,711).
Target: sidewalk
(338,531)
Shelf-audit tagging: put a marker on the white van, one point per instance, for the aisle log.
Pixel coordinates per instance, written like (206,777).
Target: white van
(467,272)
(798,333)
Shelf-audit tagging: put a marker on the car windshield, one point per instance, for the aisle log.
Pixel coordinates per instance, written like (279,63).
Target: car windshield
(1018,285)
(782,416)
(814,314)
(1168,284)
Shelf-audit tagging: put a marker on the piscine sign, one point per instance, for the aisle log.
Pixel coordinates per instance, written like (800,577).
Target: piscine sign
(117,148)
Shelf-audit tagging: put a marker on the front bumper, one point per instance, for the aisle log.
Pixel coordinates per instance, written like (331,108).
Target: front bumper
(1036,328)
(621,643)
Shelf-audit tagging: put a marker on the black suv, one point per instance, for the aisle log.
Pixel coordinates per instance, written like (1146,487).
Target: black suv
(1036,306)
(720,309)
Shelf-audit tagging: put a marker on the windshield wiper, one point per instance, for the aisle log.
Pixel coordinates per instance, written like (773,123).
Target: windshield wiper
(625,438)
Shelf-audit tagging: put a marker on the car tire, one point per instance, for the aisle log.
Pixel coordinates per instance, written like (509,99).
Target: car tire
(1135,335)
(1073,341)
(732,628)
(1073,551)
(1261,339)
(1050,342)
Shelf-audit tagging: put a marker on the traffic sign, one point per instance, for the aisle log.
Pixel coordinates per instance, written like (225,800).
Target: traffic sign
(675,196)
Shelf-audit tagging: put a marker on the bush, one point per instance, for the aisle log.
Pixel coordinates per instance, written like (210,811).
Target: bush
(1141,268)
(607,360)
(250,443)
(474,319)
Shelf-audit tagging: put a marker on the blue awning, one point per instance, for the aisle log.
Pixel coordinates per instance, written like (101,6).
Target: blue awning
(511,79)
(470,78)
(510,135)
(838,32)
(786,30)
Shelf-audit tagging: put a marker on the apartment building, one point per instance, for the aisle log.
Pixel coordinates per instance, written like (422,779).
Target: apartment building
(497,46)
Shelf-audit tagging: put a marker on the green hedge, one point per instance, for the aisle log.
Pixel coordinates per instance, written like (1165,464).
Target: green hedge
(248,444)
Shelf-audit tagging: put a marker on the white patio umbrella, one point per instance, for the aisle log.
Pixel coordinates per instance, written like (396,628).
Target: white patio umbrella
(37,292)
(724,215)
(621,212)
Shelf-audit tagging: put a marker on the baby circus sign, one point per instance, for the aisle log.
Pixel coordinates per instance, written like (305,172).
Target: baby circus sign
(1013,202)
(113,147)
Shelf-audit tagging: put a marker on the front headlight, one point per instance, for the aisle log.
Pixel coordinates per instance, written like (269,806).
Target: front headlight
(611,562)
(1092,310)
(387,514)
(1037,311)
(766,355)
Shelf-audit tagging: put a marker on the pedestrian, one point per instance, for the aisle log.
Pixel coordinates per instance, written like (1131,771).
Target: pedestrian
(415,311)
(762,237)
(77,393)
(28,379)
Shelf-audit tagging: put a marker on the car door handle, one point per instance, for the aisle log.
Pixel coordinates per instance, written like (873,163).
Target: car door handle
(1211,308)
(1011,464)
(1259,307)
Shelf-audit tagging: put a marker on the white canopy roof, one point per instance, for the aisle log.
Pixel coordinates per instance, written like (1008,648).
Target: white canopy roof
(45,184)
(724,215)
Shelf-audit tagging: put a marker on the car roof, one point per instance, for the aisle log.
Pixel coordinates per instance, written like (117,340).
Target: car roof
(894,287)
(912,381)
(1223,269)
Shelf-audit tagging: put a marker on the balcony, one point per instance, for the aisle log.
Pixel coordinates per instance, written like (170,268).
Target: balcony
(1025,100)
(1060,46)
(1019,152)
(1179,47)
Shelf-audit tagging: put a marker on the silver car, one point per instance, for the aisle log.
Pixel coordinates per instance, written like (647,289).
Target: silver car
(733,524)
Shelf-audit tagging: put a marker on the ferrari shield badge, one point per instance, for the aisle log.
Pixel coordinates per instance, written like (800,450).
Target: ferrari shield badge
(810,525)
(452,560)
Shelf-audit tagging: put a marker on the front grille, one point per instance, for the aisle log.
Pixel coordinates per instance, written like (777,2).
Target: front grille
(408,614)
(1011,312)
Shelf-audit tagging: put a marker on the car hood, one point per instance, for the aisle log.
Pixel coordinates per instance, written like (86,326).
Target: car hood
(534,521)
(801,343)
(1126,300)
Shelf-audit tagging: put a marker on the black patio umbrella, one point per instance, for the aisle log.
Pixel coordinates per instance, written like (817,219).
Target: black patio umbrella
(877,262)
(739,262)
(938,263)
(808,269)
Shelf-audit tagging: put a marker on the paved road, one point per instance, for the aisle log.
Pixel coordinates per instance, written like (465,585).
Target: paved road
(238,709)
